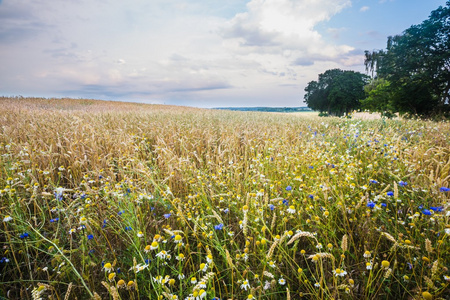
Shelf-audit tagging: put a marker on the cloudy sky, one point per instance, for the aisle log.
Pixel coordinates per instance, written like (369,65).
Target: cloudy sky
(203,53)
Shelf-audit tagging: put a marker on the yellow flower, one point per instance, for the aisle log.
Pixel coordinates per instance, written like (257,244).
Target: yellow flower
(107,267)
(111,276)
(385,264)
(121,283)
(427,296)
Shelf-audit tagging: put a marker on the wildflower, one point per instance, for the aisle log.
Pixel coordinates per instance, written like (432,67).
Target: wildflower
(139,267)
(121,283)
(367,254)
(330,246)
(218,227)
(339,272)
(193,280)
(272,207)
(107,267)
(371,204)
(317,284)
(368,265)
(427,296)
(180,257)
(90,236)
(289,188)
(402,183)
(427,212)
(209,258)
(444,189)
(315,258)
(245,208)
(291,209)
(446,278)
(54,220)
(130,284)
(250,296)
(203,267)
(7,219)
(83,220)
(390,193)
(24,235)
(385,264)
(147,248)
(167,216)
(162,254)
(282,281)
(272,264)
(140,234)
(154,245)
(266,285)
(111,276)
(178,239)
(319,246)
(372,181)
(181,276)
(245,285)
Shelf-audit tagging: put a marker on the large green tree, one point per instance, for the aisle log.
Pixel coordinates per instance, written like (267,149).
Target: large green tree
(416,65)
(337,92)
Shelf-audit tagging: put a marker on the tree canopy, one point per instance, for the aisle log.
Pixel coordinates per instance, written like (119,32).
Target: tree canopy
(337,92)
(415,68)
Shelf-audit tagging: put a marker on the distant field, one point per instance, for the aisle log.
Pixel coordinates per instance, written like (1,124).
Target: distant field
(111,200)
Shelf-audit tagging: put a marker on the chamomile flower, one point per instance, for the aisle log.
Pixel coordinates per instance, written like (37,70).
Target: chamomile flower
(7,218)
(178,239)
(193,280)
(319,246)
(245,285)
(163,254)
(272,264)
(209,258)
(140,234)
(282,281)
(291,209)
(107,267)
(202,285)
(180,257)
(367,254)
(339,272)
(203,267)
(368,265)
(111,276)
(154,245)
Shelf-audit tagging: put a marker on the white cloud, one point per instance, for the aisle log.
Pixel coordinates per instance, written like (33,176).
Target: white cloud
(173,51)
(364,8)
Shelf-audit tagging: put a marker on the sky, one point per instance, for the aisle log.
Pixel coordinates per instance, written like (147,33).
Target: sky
(201,53)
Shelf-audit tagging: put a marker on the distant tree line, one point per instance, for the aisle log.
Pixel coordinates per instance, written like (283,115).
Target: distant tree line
(410,77)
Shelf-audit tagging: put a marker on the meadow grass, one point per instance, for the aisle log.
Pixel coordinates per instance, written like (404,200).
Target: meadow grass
(110,200)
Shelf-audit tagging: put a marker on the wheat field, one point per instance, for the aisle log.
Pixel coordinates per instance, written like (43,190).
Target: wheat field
(113,200)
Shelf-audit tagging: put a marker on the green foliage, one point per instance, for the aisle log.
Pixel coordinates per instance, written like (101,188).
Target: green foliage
(417,66)
(337,92)
(378,96)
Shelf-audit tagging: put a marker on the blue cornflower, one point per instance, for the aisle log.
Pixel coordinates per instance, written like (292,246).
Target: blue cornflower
(218,227)
(371,204)
(147,261)
(390,193)
(402,183)
(128,228)
(24,235)
(288,188)
(226,210)
(90,236)
(438,208)
(54,220)
(311,196)
(285,202)
(167,216)
(383,204)
(444,189)
(120,212)
(271,206)
(311,167)
(427,212)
